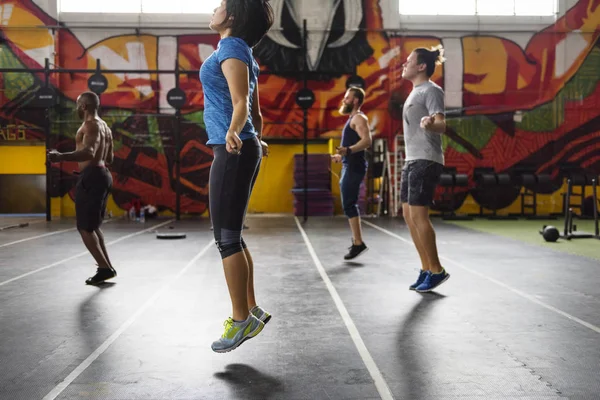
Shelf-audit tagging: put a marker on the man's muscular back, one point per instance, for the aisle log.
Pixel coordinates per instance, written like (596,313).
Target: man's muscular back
(95,137)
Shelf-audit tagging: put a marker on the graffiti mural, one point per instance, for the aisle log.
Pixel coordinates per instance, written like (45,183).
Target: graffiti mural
(549,79)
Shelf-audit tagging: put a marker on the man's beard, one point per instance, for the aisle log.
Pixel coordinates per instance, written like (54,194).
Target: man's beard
(346,109)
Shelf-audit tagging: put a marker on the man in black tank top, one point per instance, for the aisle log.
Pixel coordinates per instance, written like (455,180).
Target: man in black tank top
(356,138)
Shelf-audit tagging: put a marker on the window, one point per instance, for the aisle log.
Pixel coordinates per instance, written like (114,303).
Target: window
(480,7)
(141,6)
(495,7)
(437,7)
(537,7)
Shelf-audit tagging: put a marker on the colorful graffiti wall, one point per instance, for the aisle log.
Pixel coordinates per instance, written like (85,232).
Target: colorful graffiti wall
(549,79)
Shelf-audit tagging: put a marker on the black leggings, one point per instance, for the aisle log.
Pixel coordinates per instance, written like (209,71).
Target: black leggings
(350,180)
(232,178)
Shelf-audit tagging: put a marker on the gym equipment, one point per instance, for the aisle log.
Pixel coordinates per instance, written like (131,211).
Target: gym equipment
(579,178)
(98,83)
(355,81)
(22,225)
(46,98)
(576,176)
(532,184)
(397,164)
(314,184)
(305,98)
(550,233)
(170,235)
(378,178)
(449,181)
(305,105)
(487,180)
(177,99)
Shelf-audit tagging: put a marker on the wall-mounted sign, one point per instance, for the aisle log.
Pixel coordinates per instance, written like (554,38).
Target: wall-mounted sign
(12,133)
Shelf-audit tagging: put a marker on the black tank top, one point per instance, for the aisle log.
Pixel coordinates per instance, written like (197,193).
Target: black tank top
(358,160)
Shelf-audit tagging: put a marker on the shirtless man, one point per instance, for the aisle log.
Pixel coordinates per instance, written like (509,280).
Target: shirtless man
(93,152)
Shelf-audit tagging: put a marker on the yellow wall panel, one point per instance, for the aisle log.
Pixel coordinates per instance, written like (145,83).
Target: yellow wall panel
(22,160)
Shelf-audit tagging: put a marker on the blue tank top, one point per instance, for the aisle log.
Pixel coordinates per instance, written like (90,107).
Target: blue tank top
(357,161)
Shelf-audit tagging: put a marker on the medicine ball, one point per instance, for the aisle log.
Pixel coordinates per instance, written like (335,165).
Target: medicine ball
(550,233)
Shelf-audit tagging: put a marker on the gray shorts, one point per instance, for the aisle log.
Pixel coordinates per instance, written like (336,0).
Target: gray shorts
(419,180)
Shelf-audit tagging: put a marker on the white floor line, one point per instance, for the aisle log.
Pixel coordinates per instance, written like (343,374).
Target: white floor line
(495,281)
(380,383)
(45,234)
(58,389)
(37,237)
(84,253)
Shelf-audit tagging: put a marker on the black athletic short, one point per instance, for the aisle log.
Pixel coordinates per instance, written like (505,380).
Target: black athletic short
(232,178)
(91,194)
(419,180)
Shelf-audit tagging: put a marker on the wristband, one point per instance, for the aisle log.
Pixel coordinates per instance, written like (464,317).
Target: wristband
(348,150)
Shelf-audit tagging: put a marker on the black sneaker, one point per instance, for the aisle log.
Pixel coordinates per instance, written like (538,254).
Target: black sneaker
(355,251)
(102,274)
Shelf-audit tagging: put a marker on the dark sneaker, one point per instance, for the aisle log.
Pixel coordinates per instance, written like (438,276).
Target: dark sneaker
(355,251)
(432,281)
(420,280)
(102,274)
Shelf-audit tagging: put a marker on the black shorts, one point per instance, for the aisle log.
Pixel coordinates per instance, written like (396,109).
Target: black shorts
(232,178)
(419,180)
(91,194)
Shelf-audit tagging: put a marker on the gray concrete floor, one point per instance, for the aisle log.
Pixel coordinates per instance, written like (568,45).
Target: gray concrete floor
(513,322)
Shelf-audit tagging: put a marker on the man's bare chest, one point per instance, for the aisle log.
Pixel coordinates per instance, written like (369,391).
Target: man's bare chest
(79,138)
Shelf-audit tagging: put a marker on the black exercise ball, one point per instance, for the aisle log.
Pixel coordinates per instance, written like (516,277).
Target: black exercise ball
(550,234)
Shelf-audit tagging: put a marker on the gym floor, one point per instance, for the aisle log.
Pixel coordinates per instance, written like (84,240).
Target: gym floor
(517,320)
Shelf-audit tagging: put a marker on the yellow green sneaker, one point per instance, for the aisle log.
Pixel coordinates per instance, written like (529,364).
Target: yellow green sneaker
(237,333)
(261,314)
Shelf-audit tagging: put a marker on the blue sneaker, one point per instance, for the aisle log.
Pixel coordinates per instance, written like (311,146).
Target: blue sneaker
(237,333)
(432,281)
(421,279)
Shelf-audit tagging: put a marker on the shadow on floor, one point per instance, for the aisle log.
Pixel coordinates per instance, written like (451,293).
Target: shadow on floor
(413,352)
(93,332)
(250,382)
